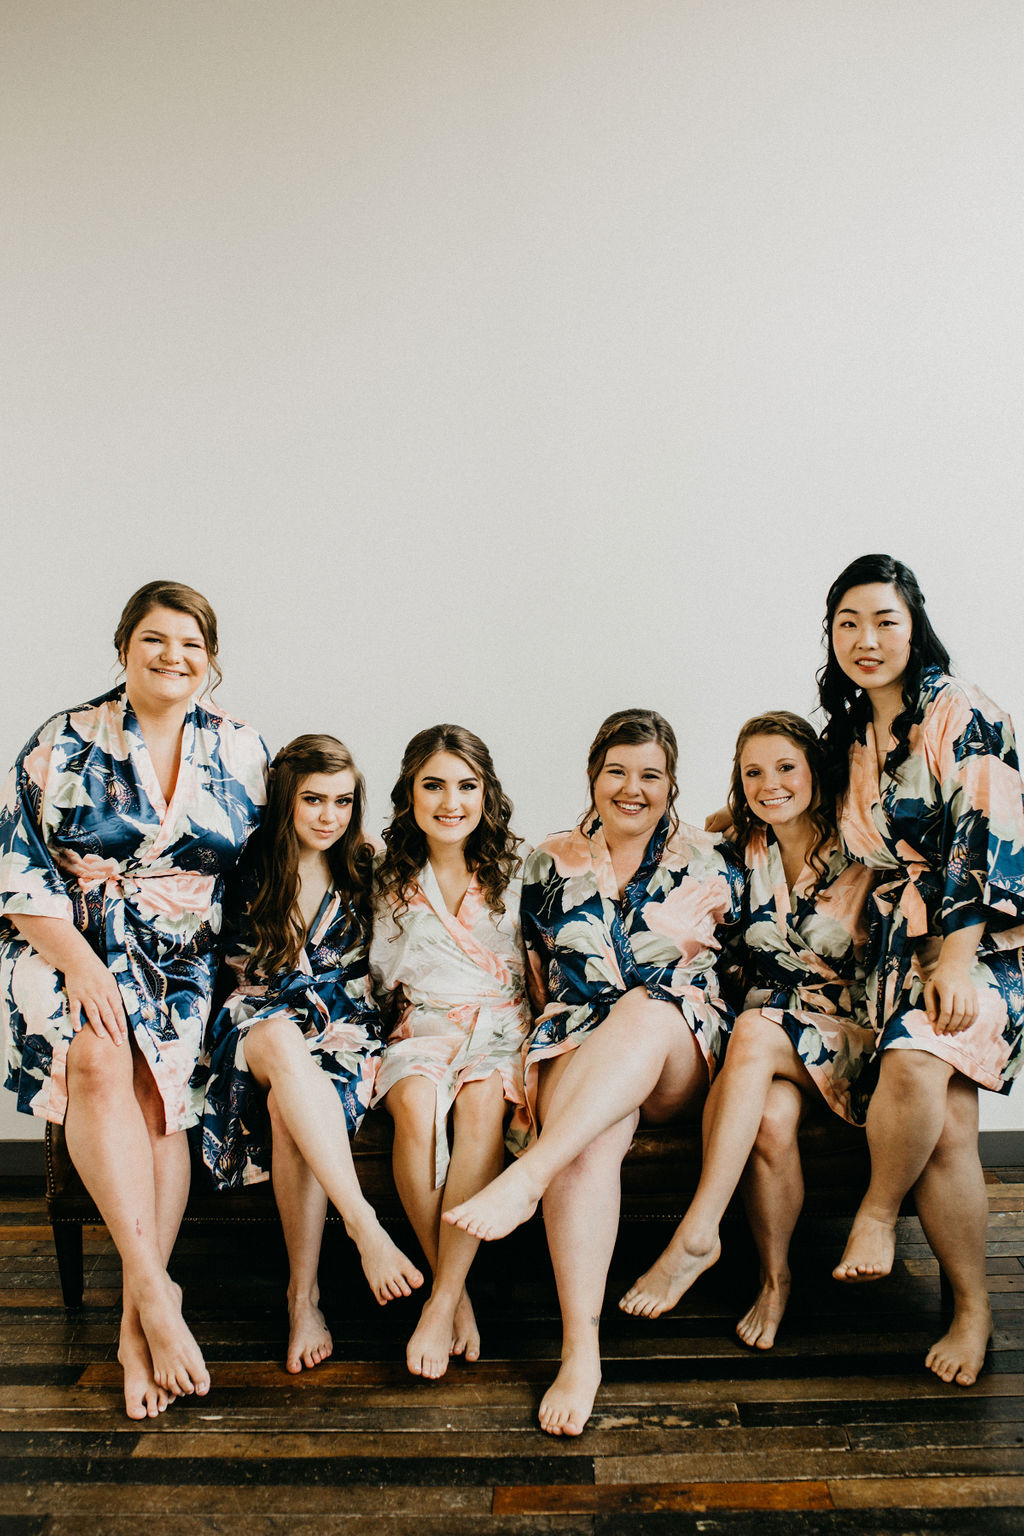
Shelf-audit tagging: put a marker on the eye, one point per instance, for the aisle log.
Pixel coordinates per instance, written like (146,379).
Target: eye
(343,800)
(468,785)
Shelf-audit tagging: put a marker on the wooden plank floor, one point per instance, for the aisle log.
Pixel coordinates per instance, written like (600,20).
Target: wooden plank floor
(838,1429)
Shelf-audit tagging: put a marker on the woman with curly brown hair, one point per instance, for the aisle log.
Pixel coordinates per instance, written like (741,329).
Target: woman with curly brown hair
(293,1052)
(804,1033)
(447,955)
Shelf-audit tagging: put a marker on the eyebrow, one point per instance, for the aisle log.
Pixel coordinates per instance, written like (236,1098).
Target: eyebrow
(614,763)
(876,614)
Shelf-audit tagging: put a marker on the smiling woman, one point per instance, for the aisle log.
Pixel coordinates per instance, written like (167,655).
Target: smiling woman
(120,819)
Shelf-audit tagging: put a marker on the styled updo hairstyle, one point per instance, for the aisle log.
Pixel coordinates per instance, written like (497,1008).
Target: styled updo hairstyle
(844,704)
(490,849)
(801,735)
(278,927)
(169,594)
(631,728)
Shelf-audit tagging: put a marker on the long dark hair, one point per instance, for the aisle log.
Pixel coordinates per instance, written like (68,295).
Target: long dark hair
(277,924)
(631,728)
(843,703)
(169,594)
(821,811)
(490,849)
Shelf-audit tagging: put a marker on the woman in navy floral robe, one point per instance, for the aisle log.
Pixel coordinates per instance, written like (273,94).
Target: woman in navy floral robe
(624,920)
(119,822)
(932,802)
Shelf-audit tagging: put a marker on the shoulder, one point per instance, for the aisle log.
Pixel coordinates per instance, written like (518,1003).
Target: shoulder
(958,715)
(563,853)
(76,725)
(240,745)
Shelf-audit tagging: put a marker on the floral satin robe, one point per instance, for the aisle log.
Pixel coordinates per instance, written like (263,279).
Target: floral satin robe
(586,947)
(328,997)
(945,830)
(465,1011)
(805,966)
(87,836)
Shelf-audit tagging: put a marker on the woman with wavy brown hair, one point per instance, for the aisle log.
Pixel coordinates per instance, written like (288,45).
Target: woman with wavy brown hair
(447,958)
(804,1033)
(293,1052)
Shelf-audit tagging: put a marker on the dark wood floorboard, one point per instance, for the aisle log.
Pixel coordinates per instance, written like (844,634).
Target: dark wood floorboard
(839,1429)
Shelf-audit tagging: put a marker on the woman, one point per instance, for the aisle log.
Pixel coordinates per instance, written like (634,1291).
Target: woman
(447,957)
(931,793)
(623,919)
(804,1034)
(294,1050)
(119,821)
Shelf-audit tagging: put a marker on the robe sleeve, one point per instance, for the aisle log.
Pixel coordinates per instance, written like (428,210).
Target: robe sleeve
(539,866)
(31,885)
(983,825)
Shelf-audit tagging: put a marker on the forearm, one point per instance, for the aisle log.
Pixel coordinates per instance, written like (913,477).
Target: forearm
(55,938)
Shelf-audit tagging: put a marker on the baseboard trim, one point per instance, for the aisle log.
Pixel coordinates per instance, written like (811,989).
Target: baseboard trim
(24,1159)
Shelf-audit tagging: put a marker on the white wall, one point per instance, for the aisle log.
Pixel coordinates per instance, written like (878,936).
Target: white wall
(508,362)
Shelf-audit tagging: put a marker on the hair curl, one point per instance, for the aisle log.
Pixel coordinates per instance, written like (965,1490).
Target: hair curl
(169,594)
(632,728)
(844,704)
(821,811)
(489,850)
(278,927)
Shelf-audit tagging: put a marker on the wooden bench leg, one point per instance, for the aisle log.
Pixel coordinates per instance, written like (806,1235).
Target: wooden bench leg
(67,1240)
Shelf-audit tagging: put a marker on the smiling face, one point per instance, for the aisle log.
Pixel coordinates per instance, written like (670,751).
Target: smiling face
(631,790)
(165,660)
(777,780)
(447,800)
(323,809)
(871,633)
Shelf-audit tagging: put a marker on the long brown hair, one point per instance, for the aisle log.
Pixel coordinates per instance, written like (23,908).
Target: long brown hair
(490,849)
(631,728)
(821,811)
(169,594)
(277,924)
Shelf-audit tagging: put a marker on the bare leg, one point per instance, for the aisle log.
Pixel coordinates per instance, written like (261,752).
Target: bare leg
(773,1192)
(308,1105)
(122,1160)
(644,1050)
(477,1155)
(302,1207)
(905,1120)
(759,1051)
(581,1217)
(953,1209)
(172,1175)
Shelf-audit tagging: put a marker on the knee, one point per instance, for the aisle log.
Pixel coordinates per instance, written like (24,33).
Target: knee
(412,1105)
(98,1067)
(273,1041)
(959,1136)
(776,1138)
(479,1107)
(749,1035)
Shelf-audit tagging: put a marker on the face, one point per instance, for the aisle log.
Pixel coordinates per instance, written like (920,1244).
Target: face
(323,808)
(871,634)
(776,779)
(447,799)
(166,659)
(632,789)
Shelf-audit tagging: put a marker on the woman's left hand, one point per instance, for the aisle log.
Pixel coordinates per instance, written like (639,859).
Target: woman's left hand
(950,996)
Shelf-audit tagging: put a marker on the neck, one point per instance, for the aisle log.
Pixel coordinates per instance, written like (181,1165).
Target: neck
(313,865)
(166,721)
(795,838)
(447,857)
(886,704)
(623,843)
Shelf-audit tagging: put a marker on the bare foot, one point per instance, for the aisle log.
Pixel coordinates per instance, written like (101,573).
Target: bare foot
(870,1250)
(960,1354)
(501,1206)
(465,1333)
(430,1347)
(760,1325)
(389,1273)
(178,1364)
(668,1278)
(143,1398)
(567,1404)
(309,1338)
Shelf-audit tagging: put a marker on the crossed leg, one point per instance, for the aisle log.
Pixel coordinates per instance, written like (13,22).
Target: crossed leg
(139,1178)
(643,1053)
(302,1207)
